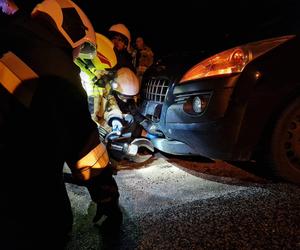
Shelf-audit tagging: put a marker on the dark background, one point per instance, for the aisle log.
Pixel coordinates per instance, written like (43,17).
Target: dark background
(170,27)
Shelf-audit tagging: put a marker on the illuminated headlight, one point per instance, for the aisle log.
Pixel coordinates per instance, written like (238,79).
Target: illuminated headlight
(196,104)
(233,60)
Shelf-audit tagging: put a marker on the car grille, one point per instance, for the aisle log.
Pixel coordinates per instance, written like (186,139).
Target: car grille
(155,89)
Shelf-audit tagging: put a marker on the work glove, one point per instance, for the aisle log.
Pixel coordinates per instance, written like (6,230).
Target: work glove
(128,118)
(102,133)
(150,127)
(104,192)
(112,215)
(117,125)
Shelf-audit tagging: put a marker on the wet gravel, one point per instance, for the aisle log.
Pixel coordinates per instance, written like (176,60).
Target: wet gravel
(166,207)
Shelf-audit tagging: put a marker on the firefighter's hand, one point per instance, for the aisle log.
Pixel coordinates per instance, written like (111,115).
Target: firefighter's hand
(108,210)
(102,133)
(104,192)
(117,125)
(99,214)
(108,217)
(129,119)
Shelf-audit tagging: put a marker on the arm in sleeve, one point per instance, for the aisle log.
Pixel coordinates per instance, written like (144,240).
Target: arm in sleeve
(85,154)
(112,110)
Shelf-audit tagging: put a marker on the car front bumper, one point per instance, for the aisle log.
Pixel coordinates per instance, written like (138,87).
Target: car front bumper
(212,133)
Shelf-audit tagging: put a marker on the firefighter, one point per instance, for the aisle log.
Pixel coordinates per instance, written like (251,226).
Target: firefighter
(44,122)
(112,95)
(121,38)
(96,76)
(102,80)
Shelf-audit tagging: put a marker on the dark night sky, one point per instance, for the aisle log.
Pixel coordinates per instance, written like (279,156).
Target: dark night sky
(196,25)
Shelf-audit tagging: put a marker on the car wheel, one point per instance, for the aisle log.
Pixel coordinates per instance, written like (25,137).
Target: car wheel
(284,147)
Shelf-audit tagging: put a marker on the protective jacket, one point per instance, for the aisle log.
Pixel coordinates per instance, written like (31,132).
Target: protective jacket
(97,76)
(44,122)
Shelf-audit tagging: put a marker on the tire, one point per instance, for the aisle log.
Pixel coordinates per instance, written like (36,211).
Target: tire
(284,146)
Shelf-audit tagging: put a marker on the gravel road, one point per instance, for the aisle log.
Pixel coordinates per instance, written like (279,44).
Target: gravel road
(172,203)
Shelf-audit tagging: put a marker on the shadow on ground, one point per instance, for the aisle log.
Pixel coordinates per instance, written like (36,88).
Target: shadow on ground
(233,173)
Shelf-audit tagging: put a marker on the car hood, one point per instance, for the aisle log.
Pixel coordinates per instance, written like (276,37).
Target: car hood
(173,66)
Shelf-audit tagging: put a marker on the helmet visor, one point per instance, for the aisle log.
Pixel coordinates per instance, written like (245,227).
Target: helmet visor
(85,51)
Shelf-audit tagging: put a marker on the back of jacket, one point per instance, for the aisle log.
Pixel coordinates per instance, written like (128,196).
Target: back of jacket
(35,141)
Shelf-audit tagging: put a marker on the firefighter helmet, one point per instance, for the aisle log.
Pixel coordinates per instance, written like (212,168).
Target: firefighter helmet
(105,52)
(94,69)
(72,23)
(121,30)
(126,83)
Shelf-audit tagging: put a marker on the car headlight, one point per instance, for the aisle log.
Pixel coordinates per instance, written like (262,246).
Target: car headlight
(197,104)
(233,60)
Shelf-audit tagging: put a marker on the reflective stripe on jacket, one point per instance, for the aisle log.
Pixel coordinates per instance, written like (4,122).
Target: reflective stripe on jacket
(91,164)
(13,72)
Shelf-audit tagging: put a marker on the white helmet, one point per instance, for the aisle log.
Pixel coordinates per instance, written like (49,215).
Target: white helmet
(126,83)
(121,29)
(72,23)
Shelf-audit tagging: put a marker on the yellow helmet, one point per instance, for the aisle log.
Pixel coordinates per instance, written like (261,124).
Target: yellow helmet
(93,70)
(106,57)
(72,23)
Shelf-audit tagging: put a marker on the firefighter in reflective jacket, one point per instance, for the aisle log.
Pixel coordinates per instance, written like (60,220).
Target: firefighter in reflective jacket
(101,80)
(44,122)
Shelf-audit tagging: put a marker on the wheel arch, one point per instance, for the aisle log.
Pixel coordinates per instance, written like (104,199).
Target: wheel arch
(260,116)
(270,123)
